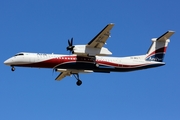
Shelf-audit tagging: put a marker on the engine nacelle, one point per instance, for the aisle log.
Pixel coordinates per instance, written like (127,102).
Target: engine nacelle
(85,50)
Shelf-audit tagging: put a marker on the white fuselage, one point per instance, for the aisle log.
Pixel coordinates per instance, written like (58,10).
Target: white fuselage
(59,61)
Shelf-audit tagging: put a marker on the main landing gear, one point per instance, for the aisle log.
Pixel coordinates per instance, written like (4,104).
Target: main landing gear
(79,82)
(12,68)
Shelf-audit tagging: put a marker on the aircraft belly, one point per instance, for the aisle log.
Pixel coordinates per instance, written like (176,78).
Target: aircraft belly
(86,66)
(77,65)
(100,68)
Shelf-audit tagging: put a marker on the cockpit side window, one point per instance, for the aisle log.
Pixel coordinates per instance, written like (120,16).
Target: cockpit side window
(19,54)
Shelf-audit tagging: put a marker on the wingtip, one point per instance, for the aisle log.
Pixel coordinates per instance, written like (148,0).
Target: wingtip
(111,23)
(171,31)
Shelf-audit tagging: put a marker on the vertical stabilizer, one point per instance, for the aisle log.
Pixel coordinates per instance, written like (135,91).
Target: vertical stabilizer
(158,48)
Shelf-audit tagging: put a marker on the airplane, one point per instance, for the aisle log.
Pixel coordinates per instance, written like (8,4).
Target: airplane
(93,57)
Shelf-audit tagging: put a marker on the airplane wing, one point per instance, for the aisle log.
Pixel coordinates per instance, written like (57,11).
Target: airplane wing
(66,72)
(100,39)
(62,75)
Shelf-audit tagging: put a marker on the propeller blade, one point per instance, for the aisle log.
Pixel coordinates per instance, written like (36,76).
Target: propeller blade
(71,41)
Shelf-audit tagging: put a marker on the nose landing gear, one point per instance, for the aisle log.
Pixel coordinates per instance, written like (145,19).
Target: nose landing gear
(12,68)
(79,82)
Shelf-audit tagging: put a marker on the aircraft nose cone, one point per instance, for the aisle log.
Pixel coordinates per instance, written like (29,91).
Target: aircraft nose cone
(7,62)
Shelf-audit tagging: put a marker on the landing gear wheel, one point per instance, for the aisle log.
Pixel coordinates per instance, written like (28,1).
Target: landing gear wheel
(79,82)
(12,69)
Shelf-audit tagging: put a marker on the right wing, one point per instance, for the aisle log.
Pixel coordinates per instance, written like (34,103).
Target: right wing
(100,39)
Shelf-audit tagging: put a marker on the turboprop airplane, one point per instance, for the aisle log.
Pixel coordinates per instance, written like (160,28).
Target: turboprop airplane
(93,57)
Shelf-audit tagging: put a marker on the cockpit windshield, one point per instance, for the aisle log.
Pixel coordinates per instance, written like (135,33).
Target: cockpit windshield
(19,54)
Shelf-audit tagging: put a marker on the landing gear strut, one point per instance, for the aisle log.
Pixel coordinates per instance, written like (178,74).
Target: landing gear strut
(12,68)
(79,82)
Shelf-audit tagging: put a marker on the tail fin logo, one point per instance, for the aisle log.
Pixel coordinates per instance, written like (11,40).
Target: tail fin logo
(157,55)
(155,58)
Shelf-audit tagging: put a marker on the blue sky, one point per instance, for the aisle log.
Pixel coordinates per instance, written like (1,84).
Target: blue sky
(45,26)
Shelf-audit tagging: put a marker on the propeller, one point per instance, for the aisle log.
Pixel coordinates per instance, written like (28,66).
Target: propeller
(54,69)
(70,47)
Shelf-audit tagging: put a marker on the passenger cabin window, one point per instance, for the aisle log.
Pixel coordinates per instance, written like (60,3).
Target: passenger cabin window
(19,54)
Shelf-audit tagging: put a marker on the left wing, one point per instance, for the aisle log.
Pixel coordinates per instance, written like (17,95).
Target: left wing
(63,75)
(100,39)
(68,72)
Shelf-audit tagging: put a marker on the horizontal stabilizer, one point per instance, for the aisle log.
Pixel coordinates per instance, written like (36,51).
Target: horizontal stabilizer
(165,36)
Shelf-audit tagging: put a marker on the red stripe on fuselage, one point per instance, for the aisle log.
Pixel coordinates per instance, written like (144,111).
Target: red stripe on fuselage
(51,63)
(119,65)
